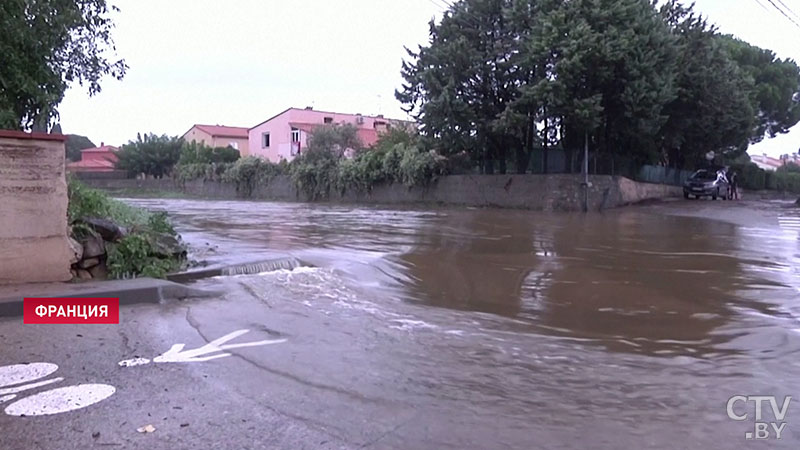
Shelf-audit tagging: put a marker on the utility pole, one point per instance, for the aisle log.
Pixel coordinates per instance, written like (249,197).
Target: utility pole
(586,172)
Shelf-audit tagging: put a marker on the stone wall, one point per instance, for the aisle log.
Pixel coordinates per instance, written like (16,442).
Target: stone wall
(535,192)
(34,245)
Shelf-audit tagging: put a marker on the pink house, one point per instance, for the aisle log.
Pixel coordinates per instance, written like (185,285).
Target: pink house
(99,159)
(285,135)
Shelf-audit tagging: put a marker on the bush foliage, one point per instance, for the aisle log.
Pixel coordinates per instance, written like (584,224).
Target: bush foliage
(248,172)
(334,161)
(150,155)
(139,253)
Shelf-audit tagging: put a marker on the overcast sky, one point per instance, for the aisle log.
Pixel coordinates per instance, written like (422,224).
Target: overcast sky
(238,62)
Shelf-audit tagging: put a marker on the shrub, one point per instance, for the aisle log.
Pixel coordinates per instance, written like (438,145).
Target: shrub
(135,255)
(418,168)
(139,253)
(250,171)
(86,202)
(790,167)
(787,181)
(204,171)
(361,172)
(315,173)
(198,153)
(150,155)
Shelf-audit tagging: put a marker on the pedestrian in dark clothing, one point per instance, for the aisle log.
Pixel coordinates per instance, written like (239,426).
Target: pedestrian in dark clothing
(733,180)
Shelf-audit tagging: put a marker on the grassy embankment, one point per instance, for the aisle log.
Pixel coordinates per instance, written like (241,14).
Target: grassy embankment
(147,244)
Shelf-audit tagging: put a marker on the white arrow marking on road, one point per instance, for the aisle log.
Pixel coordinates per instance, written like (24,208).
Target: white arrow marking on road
(176,354)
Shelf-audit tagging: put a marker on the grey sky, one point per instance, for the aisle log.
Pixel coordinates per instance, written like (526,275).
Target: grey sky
(238,62)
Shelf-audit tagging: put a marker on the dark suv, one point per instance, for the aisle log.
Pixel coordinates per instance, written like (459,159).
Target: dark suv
(706,183)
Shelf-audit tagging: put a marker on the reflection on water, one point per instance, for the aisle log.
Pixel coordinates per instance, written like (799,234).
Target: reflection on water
(625,313)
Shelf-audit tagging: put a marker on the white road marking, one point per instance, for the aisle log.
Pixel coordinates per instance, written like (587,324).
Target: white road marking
(24,373)
(6,398)
(60,400)
(134,362)
(25,387)
(177,354)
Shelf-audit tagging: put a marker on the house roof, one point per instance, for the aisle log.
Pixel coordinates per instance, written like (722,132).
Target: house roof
(221,131)
(367,136)
(329,112)
(101,149)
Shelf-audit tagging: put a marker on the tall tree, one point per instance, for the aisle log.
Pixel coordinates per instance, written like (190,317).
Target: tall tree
(458,86)
(712,111)
(150,154)
(775,84)
(45,46)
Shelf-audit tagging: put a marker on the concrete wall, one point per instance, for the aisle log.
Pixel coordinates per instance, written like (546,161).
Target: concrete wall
(536,192)
(34,245)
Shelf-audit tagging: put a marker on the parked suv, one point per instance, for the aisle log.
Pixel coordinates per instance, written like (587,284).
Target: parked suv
(706,183)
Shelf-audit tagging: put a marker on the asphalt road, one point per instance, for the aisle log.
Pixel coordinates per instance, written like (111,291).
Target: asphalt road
(332,384)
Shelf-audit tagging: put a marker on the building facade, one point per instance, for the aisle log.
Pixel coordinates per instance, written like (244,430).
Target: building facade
(285,135)
(769,163)
(219,136)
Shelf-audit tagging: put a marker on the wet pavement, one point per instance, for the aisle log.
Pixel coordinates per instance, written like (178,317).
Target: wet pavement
(449,328)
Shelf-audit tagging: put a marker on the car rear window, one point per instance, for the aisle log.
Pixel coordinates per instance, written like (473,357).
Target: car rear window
(704,175)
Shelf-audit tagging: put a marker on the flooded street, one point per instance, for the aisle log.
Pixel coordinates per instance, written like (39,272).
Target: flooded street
(517,329)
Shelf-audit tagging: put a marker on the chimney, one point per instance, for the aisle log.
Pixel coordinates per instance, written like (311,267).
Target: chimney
(380,116)
(102,144)
(309,108)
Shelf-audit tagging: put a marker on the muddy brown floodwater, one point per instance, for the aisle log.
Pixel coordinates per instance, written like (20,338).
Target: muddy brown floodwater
(630,328)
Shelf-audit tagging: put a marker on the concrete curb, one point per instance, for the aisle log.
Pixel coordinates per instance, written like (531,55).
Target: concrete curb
(245,268)
(129,292)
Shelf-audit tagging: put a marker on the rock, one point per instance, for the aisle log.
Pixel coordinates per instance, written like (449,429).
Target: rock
(93,246)
(84,275)
(76,251)
(167,245)
(89,262)
(107,229)
(99,272)
(74,273)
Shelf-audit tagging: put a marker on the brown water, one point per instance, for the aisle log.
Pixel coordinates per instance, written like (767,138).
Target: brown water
(624,329)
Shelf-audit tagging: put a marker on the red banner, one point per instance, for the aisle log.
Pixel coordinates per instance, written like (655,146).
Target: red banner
(71,310)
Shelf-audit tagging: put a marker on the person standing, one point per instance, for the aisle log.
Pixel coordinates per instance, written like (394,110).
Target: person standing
(733,184)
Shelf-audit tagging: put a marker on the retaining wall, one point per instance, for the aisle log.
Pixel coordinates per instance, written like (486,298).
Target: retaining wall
(535,192)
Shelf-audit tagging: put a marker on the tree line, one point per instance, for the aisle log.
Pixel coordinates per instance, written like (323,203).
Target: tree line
(653,82)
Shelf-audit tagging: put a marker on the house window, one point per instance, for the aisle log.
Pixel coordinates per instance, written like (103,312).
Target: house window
(295,135)
(328,120)
(264,140)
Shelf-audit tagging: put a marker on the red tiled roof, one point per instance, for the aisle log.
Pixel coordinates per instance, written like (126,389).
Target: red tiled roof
(103,149)
(223,131)
(367,136)
(385,119)
(307,127)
